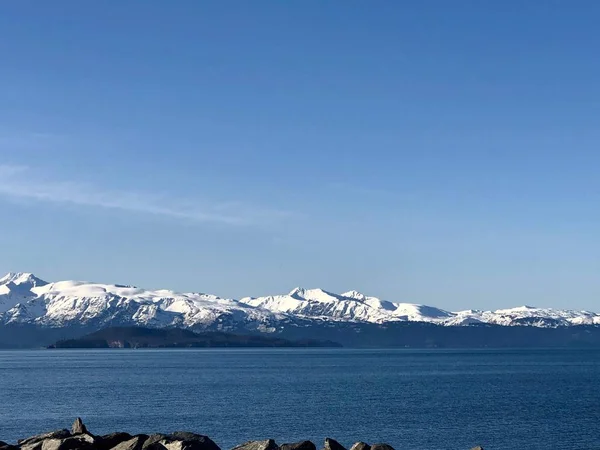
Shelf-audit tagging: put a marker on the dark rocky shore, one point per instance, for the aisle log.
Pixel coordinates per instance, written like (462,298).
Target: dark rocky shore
(80,438)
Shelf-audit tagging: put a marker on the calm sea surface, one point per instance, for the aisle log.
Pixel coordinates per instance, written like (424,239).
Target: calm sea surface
(425,400)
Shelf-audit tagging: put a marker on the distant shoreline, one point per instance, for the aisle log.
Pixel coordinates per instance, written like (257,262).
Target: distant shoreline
(410,335)
(142,338)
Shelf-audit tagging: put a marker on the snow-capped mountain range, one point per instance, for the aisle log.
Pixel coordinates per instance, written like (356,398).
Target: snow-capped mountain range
(25,298)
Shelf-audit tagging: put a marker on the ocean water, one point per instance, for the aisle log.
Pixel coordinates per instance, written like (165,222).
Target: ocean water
(412,399)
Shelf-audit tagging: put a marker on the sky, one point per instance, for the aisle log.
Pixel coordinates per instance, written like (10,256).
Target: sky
(434,152)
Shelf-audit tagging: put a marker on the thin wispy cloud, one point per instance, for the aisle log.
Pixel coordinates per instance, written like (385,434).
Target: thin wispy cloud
(22,182)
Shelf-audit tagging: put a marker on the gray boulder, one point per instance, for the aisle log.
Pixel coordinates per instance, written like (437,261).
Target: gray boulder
(381,447)
(155,446)
(135,443)
(361,446)
(58,434)
(153,442)
(111,440)
(32,446)
(84,437)
(302,445)
(80,441)
(193,437)
(268,444)
(183,440)
(332,444)
(54,444)
(5,446)
(182,445)
(186,436)
(78,427)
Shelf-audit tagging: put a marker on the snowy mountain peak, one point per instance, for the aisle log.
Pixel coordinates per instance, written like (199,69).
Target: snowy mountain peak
(316,295)
(297,292)
(355,295)
(518,309)
(17,288)
(22,278)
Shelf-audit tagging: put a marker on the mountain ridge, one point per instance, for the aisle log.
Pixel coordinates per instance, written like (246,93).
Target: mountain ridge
(27,299)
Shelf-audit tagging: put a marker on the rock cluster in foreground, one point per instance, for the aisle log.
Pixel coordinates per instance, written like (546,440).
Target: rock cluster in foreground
(80,438)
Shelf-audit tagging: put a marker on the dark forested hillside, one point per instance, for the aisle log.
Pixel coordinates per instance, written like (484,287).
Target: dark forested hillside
(139,337)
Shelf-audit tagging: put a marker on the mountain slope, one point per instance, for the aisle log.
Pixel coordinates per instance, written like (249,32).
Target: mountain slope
(68,303)
(17,288)
(351,306)
(28,300)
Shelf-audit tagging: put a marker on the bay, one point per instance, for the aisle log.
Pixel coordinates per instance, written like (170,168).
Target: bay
(412,399)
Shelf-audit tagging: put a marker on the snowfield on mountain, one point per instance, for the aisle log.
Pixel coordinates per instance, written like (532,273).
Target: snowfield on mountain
(25,298)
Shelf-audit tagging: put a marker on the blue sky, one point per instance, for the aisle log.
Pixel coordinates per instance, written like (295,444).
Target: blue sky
(435,152)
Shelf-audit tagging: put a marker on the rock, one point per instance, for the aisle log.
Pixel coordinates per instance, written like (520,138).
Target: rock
(84,437)
(183,440)
(303,445)
(78,427)
(53,444)
(381,447)
(155,446)
(111,440)
(360,446)
(268,444)
(80,441)
(188,437)
(479,447)
(33,446)
(332,444)
(181,445)
(135,443)
(58,434)
(153,442)
(5,446)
